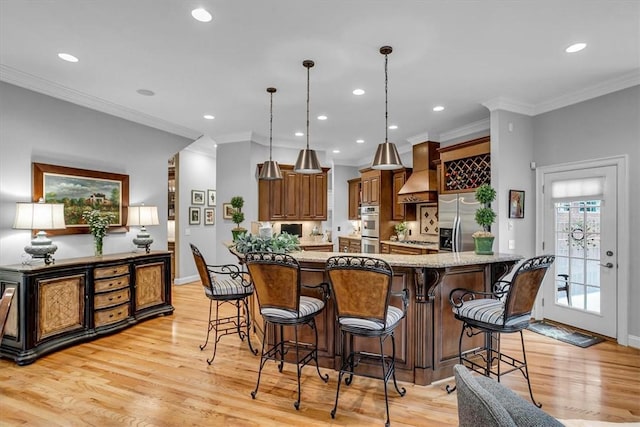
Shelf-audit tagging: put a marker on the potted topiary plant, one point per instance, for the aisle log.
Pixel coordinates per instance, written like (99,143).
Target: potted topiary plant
(237,202)
(485,216)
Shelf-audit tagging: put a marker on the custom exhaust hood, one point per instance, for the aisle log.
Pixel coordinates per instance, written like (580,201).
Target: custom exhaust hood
(422,184)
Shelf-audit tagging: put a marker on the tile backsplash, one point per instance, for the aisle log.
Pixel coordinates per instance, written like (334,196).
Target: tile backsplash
(428,219)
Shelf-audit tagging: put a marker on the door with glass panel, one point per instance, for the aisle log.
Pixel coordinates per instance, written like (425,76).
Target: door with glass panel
(580,229)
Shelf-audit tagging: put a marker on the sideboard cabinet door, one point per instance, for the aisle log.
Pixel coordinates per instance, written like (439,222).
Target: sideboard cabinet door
(60,305)
(149,285)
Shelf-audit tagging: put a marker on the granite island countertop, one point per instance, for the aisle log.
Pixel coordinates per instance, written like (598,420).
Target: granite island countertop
(426,245)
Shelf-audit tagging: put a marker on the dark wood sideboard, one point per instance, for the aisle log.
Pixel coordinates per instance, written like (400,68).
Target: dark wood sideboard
(80,299)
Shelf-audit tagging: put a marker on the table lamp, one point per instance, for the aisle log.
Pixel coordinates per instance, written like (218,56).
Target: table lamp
(143,216)
(40,216)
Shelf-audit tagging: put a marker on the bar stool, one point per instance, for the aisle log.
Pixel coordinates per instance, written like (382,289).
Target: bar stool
(224,284)
(507,309)
(276,278)
(361,288)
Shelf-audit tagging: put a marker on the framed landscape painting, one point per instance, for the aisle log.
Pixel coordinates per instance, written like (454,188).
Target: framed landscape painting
(80,190)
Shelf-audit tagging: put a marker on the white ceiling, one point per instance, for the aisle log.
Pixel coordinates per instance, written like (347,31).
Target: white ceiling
(459,54)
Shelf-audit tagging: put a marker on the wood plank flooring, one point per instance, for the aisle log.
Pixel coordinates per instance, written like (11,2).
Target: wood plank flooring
(154,374)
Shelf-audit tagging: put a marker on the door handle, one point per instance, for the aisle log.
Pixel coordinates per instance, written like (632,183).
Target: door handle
(608,265)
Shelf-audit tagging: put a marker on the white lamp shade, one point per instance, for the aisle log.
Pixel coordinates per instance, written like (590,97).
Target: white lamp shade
(143,215)
(39,216)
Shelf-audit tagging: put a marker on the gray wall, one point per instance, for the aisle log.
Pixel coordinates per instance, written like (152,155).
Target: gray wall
(195,172)
(39,128)
(511,154)
(602,127)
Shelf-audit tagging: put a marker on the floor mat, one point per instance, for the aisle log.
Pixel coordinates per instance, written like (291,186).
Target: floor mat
(564,335)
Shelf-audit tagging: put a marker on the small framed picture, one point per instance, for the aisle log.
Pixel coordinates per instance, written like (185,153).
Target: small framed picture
(227,211)
(194,216)
(209,216)
(197,197)
(516,204)
(211,197)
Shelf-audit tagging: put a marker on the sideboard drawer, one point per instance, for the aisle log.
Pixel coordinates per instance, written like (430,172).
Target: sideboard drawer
(115,270)
(111,315)
(111,298)
(111,284)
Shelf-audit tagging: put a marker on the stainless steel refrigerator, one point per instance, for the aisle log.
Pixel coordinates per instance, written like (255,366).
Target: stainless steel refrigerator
(456,221)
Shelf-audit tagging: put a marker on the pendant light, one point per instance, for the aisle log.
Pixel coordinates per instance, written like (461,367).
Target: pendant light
(270,169)
(307,159)
(387,156)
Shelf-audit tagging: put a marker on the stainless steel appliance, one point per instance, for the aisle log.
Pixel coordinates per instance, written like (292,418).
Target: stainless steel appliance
(456,221)
(370,245)
(370,221)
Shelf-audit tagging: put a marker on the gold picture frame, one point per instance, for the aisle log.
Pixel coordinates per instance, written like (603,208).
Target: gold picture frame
(80,190)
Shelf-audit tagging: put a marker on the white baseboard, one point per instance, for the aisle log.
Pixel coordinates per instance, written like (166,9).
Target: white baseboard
(183,280)
(634,341)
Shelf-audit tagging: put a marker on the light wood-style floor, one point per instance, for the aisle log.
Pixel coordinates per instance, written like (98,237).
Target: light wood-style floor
(155,374)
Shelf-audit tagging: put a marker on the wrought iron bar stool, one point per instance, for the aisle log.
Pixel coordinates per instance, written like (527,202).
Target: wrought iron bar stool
(362,290)
(507,309)
(225,284)
(276,278)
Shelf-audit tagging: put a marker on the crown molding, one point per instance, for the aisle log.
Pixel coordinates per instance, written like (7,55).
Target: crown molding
(501,103)
(47,87)
(623,82)
(479,126)
(417,139)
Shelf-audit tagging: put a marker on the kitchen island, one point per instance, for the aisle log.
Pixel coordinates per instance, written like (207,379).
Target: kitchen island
(427,339)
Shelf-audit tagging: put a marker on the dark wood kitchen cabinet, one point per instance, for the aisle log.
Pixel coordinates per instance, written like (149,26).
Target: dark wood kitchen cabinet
(295,197)
(465,166)
(376,187)
(354,198)
(79,299)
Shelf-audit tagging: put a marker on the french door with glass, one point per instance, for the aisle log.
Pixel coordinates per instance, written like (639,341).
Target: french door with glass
(580,229)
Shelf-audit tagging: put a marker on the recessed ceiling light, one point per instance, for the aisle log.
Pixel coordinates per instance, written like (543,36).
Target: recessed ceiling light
(67,57)
(322,117)
(208,117)
(201,15)
(336,151)
(146,92)
(299,133)
(438,108)
(393,127)
(360,141)
(577,47)
(215,145)
(358,92)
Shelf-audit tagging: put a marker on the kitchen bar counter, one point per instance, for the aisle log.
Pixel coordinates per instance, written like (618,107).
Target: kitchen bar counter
(427,339)
(439,260)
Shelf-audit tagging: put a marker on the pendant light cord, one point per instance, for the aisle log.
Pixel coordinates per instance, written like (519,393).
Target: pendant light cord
(308,107)
(386,113)
(270,124)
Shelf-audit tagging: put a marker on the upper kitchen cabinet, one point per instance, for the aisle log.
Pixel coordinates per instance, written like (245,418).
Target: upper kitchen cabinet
(295,197)
(354,198)
(376,187)
(421,184)
(465,166)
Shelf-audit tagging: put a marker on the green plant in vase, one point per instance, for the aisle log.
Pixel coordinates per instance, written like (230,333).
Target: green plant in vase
(401,230)
(237,202)
(485,216)
(98,223)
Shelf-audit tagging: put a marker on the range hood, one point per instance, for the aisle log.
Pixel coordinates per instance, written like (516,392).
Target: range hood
(422,184)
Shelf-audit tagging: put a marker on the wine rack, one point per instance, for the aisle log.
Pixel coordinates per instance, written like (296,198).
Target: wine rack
(467,173)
